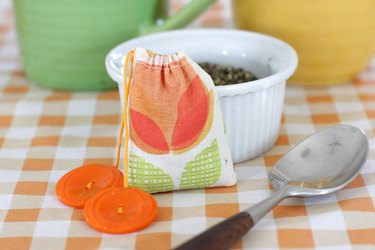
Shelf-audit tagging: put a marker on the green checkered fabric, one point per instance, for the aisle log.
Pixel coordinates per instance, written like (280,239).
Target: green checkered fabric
(201,172)
(204,170)
(146,176)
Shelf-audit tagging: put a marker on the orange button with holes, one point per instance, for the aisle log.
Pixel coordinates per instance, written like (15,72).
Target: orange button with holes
(120,210)
(78,185)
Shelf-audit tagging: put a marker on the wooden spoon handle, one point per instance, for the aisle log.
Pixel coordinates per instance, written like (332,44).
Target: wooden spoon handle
(222,235)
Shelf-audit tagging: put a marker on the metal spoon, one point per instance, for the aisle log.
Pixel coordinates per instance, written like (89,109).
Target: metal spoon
(321,164)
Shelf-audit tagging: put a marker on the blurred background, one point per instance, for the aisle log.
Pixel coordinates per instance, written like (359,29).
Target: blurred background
(63,44)
(217,15)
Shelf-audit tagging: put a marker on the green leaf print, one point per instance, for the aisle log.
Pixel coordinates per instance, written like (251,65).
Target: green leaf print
(146,176)
(204,170)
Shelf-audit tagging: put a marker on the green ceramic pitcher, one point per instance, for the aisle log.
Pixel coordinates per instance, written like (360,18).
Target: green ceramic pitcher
(64,43)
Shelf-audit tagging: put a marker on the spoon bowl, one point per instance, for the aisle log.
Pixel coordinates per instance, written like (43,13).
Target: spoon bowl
(321,164)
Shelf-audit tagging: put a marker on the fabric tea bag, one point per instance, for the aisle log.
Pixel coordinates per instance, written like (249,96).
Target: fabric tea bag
(177,137)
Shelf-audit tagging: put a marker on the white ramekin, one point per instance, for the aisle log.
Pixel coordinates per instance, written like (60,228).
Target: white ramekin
(252,110)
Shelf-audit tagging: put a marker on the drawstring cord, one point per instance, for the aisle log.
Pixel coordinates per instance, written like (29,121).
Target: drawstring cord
(129,62)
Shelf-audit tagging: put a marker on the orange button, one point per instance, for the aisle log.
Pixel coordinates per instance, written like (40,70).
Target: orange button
(78,185)
(120,210)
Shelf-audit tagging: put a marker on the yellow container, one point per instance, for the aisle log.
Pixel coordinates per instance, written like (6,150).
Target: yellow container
(334,39)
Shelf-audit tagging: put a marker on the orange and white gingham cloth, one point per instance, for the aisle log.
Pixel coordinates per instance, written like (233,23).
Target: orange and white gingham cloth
(45,133)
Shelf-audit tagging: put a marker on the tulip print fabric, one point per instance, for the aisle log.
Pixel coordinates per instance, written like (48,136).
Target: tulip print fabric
(177,138)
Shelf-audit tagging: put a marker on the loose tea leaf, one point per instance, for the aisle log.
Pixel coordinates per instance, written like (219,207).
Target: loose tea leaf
(223,74)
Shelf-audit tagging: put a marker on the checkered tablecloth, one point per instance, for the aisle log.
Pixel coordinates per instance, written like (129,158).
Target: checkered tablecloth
(45,133)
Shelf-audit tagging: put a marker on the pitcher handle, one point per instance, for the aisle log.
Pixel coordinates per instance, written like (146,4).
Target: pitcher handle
(183,17)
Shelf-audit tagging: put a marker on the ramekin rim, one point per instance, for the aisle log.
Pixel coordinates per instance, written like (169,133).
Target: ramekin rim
(227,90)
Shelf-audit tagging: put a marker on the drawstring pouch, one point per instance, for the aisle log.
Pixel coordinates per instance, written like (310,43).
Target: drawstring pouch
(176,131)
